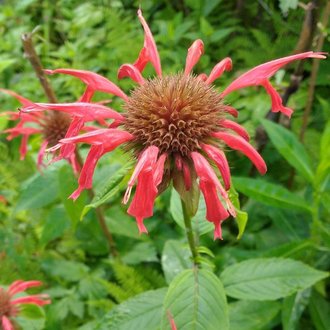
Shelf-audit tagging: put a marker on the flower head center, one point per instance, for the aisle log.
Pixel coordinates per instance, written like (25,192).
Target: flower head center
(174,113)
(55,127)
(5,306)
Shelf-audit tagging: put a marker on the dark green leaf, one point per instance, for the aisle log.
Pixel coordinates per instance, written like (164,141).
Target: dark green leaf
(319,309)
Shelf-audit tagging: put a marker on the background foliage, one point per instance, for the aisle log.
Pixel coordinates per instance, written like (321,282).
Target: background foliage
(273,276)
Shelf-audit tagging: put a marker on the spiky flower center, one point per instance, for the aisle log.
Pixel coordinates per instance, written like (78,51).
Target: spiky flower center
(55,127)
(174,113)
(5,307)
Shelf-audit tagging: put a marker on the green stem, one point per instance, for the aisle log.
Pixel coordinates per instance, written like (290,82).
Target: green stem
(190,234)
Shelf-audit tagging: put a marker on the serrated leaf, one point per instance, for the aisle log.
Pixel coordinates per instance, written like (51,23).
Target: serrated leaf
(268,278)
(252,315)
(288,145)
(270,193)
(196,300)
(176,257)
(199,223)
(142,312)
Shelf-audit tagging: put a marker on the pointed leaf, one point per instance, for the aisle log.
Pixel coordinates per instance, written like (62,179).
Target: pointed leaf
(196,300)
(268,279)
(290,148)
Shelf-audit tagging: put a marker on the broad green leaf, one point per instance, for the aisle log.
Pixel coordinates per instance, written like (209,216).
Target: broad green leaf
(293,307)
(252,315)
(31,317)
(5,63)
(110,189)
(199,223)
(40,191)
(268,278)
(176,257)
(142,312)
(270,193)
(319,310)
(55,225)
(67,185)
(290,148)
(196,300)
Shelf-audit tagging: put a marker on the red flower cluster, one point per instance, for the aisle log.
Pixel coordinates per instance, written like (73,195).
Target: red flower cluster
(175,125)
(9,306)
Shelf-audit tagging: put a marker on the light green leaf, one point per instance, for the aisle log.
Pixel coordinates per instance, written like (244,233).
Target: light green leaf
(268,279)
(252,315)
(285,5)
(199,223)
(31,317)
(293,307)
(142,312)
(196,300)
(40,191)
(290,148)
(270,193)
(176,257)
(141,252)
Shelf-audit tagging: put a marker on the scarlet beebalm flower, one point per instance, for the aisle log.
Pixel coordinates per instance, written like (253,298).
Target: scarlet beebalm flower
(9,305)
(176,126)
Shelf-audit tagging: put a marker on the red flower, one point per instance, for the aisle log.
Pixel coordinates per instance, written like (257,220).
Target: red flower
(9,306)
(177,126)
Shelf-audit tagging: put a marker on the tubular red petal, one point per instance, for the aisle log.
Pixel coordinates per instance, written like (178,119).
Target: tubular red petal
(259,74)
(202,76)
(178,161)
(6,324)
(129,70)
(238,143)
(41,154)
(20,285)
(236,128)
(195,51)
(149,51)
(94,81)
(144,198)
(219,69)
(159,169)
(220,160)
(21,99)
(39,300)
(186,176)
(23,146)
(277,104)
(146,160)
(232,111)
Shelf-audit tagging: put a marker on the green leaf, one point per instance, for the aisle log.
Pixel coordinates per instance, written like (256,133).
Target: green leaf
(31,317)
(199,223)
(319,310)
(176,257)
(196,300)
(110,189)
(67,185)
(268,278)
(142,312)
(293,307)
(55,225)
(5,63)
(285,5)
(290,148)
(252,315)
(40,191)
(270,193)
(142,252)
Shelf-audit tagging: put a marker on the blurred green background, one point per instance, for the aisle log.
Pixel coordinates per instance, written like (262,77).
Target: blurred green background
(41,235)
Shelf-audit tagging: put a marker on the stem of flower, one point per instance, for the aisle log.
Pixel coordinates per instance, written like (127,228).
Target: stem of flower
(34,59)
(190,234)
